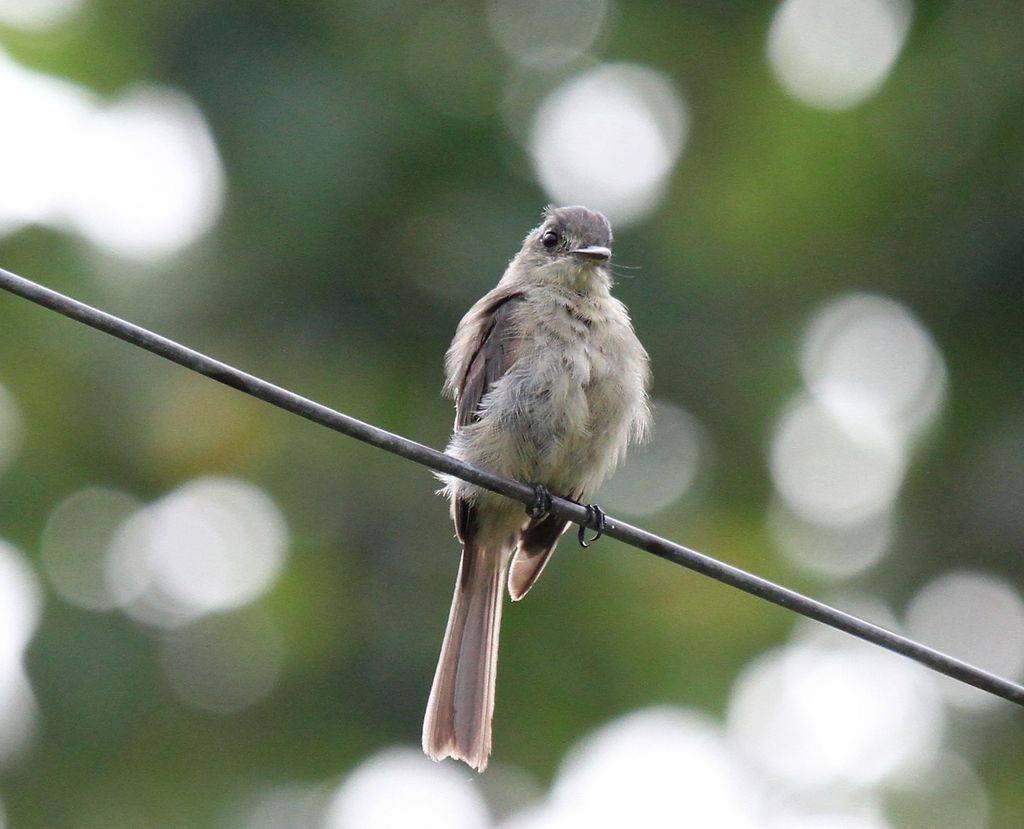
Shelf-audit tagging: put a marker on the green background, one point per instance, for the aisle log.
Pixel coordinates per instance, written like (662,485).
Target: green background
(360,222)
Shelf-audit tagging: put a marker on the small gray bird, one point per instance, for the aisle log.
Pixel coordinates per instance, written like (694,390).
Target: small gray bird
(550,386)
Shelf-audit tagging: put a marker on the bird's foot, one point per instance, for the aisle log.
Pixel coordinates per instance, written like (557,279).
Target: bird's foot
(596,515)
(541,505)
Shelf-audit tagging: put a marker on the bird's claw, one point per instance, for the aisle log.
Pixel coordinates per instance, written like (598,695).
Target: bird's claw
(595,514)
(541,505)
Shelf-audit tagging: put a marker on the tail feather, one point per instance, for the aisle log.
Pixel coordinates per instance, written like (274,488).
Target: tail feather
(458,719)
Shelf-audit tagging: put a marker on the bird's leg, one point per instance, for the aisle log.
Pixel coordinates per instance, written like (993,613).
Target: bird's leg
(541,505)
(595,514)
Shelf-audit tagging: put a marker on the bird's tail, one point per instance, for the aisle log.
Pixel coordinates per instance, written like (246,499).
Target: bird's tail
(458,719)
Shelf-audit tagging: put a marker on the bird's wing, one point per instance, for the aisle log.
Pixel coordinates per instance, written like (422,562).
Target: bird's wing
(488,342)
(494,350)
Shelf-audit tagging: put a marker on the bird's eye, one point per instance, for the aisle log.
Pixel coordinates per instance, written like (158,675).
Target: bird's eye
(550,239)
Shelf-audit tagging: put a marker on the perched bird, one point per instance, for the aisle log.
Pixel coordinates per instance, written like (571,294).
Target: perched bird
(550,386)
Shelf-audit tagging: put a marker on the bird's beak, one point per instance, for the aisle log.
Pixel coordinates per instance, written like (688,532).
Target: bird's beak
(595,252)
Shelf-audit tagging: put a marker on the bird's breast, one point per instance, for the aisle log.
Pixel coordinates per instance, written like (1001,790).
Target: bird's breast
(561,395)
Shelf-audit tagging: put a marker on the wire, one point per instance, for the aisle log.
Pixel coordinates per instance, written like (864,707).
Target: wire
(438,461)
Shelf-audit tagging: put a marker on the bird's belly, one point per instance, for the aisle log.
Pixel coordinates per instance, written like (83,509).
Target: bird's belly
(556,415)
(559,417)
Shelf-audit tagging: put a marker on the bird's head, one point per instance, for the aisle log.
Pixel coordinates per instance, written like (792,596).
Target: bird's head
(571,243)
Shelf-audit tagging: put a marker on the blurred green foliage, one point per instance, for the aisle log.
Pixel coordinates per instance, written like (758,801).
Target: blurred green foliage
(361,221)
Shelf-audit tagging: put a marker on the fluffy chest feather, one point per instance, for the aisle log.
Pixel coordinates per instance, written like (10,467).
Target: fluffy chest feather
(566,404)
(560,382)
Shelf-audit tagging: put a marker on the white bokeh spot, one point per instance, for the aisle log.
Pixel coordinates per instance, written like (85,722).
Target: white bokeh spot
(148,180)
(873,366)
(138,176)
(213,545)
(280,806)
(836,552)
(21,604)
(977,617)
(37,15)
(833,54)
(10,429)
(662,471)
(542,34)
(432,795)
(875,380)
(862,815)
(609,139)
(814,717)
(659,767)
(831,476)
(75,544)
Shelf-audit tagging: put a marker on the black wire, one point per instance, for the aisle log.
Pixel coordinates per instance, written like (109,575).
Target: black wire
(634,536)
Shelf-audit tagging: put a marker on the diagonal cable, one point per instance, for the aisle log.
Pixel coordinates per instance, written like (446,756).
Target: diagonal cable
(438,461)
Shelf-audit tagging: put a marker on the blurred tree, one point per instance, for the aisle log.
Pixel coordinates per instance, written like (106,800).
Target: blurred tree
(820,203)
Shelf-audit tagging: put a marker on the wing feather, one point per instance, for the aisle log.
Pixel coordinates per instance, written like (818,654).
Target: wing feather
(485,348)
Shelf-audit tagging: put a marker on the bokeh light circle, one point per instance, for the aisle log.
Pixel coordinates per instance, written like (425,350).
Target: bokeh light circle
(659,767)
(543,34)
(37,15)
(829,475)
(609,138)
(139,176)
(21,605)
(150,141)
(660,472)
(814,717)
(212,545)
(833,552)
(833,54)
(280,806)
(10,429)
(401,787)
(977,617)
(872,364)
(41,113)
(76,542)
(866,813)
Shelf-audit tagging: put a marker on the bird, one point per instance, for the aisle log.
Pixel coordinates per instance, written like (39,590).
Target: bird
(551,386)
